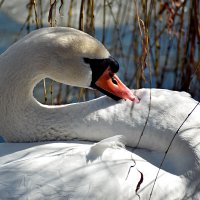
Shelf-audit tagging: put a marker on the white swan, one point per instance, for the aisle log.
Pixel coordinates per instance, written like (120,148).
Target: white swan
(85,170)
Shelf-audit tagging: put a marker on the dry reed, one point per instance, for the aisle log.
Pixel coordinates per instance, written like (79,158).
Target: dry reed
(169,31)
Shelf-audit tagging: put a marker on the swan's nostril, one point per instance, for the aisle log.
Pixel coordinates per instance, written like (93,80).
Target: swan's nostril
(114,81)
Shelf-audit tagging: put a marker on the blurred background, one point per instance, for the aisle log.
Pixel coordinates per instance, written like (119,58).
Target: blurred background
(157,43)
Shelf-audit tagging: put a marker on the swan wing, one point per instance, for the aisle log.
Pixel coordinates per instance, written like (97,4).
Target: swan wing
(83,170)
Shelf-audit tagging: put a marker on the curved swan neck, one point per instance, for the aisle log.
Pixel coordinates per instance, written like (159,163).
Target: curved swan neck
(23,119)
(41,54)
(45,53)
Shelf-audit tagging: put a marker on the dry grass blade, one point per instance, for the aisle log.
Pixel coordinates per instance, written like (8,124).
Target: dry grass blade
(50,16)
(139,183)
(59,95)
(143,57)
(51,92)
(61,5)
(104,22)
(90,18)
(45,91)
(1,3)
(81,16)
(173,46)
(35,11)
(144,38)
(140,72)
(70,13)
(167,150)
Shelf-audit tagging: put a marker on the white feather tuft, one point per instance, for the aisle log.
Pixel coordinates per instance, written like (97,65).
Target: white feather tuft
(97,149)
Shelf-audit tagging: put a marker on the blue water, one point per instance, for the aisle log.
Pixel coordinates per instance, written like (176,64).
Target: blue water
(1,139)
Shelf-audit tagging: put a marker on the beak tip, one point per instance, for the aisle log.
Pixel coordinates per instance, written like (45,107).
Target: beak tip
(133,98)
(137,100)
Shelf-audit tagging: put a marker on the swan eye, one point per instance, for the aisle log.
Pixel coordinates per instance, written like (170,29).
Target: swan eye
(114,81)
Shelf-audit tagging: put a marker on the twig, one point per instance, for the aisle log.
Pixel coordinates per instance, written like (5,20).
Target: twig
(130,170)
(50,16)
(170,144)
(139,183)
(149,109)
(130,167)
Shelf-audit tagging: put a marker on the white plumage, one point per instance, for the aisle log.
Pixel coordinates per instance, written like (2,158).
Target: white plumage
(87,170)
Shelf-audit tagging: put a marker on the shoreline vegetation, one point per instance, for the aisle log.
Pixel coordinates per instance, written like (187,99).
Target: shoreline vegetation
(157,43)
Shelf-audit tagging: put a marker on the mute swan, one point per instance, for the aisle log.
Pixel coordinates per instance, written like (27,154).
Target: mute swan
(80,168)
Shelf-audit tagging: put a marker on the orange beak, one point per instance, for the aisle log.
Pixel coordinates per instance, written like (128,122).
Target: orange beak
(111,83)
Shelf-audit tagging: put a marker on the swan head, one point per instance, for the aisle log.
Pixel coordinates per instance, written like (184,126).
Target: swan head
(104,79)
(75,58)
